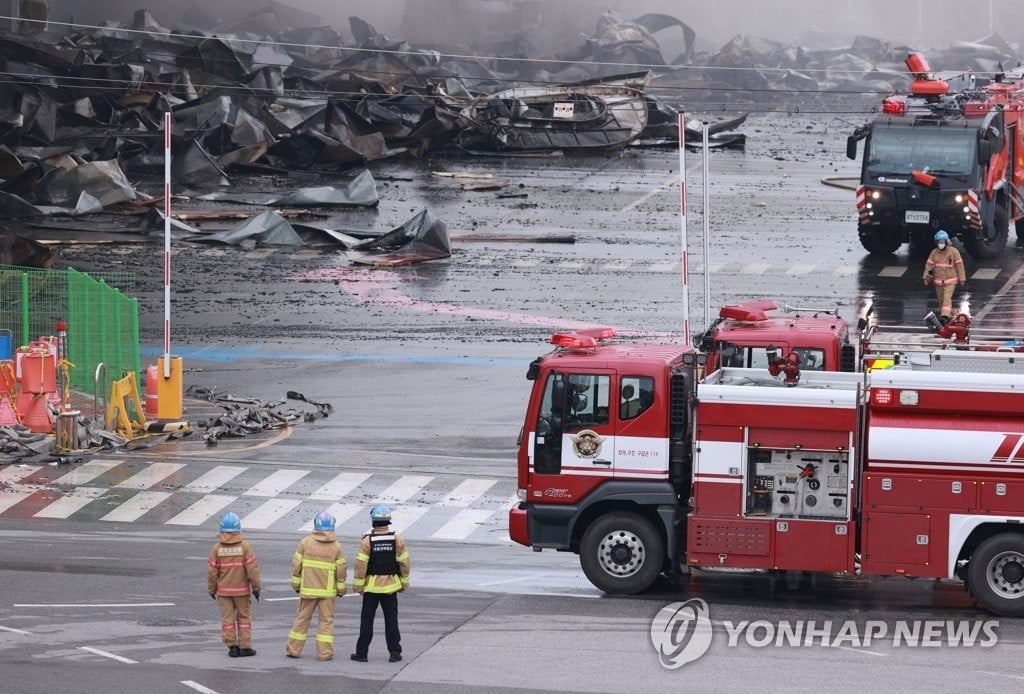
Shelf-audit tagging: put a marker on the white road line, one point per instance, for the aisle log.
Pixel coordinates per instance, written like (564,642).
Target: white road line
(572,264)
(201,510)
(75,501)
(198,687)
(525,263)
(713,267)
(404,517)
(986,273)
(291,597)
(16,631)
(1007,285)
(672,181)
(467,492)
(403,489)
(270,512)
(800,269)
(277,483)
(504,581)
(136,507)
(214,479)
(892,271)
(107,604)
(144,479)
(663,267)
(14,473)
(754,269)
(15,494)
(341,513)
(339,487)
(86,473)
(118,658)
(845,271)
(463,524)
(617,265)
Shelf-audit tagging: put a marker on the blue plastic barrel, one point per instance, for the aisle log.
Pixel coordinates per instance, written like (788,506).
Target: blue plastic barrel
(6,345)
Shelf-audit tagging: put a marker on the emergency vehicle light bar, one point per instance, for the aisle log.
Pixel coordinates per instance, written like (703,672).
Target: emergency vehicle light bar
(582,339)
(894,106)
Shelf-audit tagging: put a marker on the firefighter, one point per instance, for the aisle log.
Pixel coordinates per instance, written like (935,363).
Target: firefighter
(944,269)
(381,573)
(231,575)
(319,573)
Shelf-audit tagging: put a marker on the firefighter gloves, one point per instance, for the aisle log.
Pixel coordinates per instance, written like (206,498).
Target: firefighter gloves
(256,594)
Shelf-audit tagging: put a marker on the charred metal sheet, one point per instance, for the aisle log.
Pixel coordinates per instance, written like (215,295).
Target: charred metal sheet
(267,228)
(424,237)
(360,192)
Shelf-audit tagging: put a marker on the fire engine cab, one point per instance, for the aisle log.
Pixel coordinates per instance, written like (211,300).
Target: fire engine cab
(945,155)
(642,463)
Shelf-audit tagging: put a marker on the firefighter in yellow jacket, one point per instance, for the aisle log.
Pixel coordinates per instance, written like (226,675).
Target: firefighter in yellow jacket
(944,268)
(231,575)
(319,573)
(381,573)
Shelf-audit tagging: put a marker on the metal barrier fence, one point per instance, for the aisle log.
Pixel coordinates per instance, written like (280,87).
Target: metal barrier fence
(102,321)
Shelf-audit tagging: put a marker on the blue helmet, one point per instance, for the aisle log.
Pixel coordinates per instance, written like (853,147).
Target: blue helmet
(323,521)
(941,235)
(230,523)
(380,513)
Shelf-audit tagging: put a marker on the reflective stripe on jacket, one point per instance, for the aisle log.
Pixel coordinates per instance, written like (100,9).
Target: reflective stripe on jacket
(319,569)
(945,266)
(390,583)
(232,569)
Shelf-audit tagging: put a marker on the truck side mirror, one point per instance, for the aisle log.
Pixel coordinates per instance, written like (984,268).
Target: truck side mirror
(851,147)
(533,370)
(984,151)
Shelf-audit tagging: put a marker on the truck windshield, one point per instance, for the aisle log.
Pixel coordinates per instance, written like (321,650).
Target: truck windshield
(902,149)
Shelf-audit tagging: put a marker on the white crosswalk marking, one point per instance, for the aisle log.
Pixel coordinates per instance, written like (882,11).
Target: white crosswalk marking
(341,513)
(15,494)
(136,507)
(14,473)
(268,513)
(754,269)
(276,483)
(214,479)
(663,267)
(403,489)
(845,271)
(986,273)
(463,524)
(799,269)
(88,472)
(340,486)
(467,492)
(144,479)
(405,516)
(69,503)
(202,510)
(892,271)
(617,265)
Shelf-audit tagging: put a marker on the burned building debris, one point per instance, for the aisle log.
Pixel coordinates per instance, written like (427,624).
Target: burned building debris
(275,93)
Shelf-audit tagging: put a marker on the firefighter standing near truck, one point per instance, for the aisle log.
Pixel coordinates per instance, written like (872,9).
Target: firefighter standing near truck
(232,574)
(381,573)
(944,269)
(319,573)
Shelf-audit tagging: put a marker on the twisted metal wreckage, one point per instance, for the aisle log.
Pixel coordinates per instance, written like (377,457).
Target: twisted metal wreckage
(275,93)
(240,417)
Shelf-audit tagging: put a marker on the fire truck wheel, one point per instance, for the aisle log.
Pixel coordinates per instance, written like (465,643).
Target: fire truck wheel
(995,574)
(1019,228)
(992,242)
(622,553)
(877,241)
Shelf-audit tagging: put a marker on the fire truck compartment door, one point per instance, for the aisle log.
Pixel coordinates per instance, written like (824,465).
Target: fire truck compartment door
(896,538)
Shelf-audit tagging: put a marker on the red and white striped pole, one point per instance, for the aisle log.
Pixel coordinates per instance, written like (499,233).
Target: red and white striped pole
(167,245)
(682,229)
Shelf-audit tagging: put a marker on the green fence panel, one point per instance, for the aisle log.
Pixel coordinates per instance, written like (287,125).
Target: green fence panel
(102,320)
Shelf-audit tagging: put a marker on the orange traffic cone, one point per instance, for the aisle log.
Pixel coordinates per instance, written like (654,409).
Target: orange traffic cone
(37,417)
(8,415)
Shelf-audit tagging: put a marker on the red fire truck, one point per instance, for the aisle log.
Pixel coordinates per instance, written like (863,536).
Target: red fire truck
(946,155)
(635,460)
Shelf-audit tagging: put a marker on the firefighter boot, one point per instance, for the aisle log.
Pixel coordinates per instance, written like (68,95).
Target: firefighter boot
(243,652)
(233,651)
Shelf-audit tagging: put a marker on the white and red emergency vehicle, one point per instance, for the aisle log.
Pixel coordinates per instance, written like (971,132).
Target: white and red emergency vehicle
(635,461)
